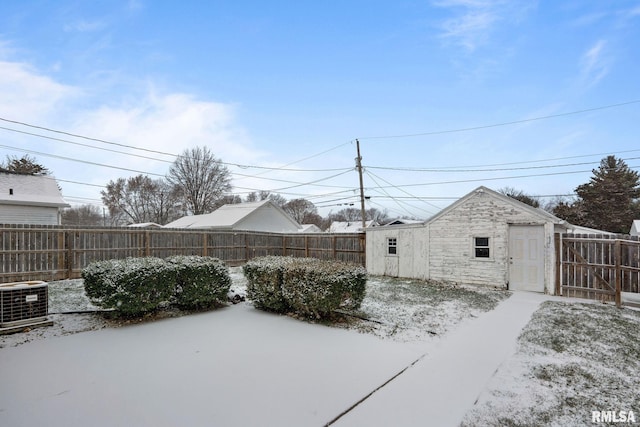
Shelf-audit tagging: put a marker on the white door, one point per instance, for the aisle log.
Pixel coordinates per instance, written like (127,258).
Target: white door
(391,266)
(526,258)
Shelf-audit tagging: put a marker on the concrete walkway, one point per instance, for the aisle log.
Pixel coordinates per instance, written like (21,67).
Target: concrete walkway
(442,386)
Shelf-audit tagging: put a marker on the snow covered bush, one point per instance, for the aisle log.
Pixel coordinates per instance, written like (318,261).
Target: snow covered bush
(308,286)
(264,282)
(201,281)
(315,288)
(131,286)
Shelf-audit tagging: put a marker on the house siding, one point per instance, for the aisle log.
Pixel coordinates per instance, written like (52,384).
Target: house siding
(16,214)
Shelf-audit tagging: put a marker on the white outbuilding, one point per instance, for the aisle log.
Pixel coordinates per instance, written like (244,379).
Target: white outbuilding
(484,238)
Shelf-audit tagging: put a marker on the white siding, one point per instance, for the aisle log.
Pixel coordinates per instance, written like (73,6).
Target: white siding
(443,248)
(42,215)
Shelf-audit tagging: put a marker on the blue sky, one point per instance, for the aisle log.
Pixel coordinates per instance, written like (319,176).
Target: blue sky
(443,95)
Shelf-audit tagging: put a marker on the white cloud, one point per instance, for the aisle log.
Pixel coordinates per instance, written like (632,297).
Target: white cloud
(28,95)
(83,26)
(594,65)
(473,21)
(153,119)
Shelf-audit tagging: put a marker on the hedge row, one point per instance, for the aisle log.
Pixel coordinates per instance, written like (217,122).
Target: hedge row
(308,286)
(134,286)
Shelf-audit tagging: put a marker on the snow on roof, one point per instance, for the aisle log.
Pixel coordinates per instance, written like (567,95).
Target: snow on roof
(30,190)
(350,226)
(226,216)
(578,229)
(144,224)
(310,228)
(403,221)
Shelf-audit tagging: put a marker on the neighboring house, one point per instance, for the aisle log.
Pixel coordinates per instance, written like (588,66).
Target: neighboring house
(484,238)
(309,228)
(144,225)
(255,216)
(350,226)
(403,221)
(30,199)
(635,228)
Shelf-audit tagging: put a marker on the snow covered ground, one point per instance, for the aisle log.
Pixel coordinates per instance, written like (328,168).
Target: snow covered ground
(446,348)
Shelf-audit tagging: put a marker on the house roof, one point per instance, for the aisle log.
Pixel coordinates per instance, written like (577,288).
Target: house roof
(403,221)
(350,226)
(30,190)
(635,227)
(310,228)
(226,216)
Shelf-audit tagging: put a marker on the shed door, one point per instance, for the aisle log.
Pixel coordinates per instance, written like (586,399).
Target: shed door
(526,258)
(391,266)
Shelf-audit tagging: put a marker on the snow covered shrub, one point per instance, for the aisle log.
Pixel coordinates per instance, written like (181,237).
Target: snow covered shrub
(316,288)
(308,286)
(131,286)
(264,282)
(201,281)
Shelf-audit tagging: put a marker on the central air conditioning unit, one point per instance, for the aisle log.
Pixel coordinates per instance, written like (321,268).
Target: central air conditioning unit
(23,303)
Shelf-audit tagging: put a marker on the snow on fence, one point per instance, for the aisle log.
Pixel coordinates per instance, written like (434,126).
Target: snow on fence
(40,252)
(602,267)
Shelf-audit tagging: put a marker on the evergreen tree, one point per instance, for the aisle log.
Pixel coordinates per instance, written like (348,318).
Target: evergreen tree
(25,164)
(609,199)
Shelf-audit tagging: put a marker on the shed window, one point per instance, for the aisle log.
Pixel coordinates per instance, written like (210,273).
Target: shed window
(392,246)
(481,247)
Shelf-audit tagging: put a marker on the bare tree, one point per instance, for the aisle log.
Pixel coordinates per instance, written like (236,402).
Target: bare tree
(140,199)
(201,179)
(258,196)
(278,199)
(300,209)
(89,215)
(520,196)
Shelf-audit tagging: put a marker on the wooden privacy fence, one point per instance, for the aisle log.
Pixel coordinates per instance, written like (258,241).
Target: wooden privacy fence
(58,252)
(603,267)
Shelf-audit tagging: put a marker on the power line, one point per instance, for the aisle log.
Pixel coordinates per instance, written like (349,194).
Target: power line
(77,160)
(487,170)
(242,166)
(514,122)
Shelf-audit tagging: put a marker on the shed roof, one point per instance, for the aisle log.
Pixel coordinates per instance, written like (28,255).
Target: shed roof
(30,190)
(544,215)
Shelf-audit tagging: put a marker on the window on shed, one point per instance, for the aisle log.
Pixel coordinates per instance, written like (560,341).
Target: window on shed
(392,246)
(481,247)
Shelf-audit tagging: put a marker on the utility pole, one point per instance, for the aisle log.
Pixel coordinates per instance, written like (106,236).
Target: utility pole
(359,167)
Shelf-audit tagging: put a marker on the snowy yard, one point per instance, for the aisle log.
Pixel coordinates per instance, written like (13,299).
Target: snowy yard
(570,359)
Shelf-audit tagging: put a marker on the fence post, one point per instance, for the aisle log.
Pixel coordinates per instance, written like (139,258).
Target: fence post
(147,243)
(306,246)
(70,258)
(558,247)
(205,243)
(618,261)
